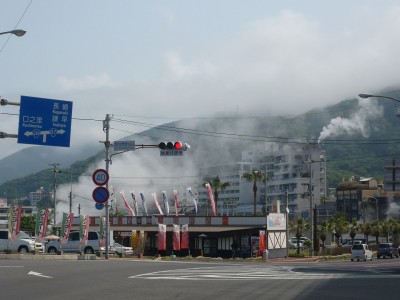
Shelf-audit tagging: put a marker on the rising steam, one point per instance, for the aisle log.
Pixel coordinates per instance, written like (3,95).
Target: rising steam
(357,123)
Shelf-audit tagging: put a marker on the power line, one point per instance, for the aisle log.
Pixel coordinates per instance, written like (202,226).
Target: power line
(20,19)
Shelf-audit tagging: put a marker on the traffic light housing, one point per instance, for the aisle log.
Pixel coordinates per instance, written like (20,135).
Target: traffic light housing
(173,146)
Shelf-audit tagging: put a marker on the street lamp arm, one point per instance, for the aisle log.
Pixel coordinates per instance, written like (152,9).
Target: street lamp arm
(17,32)
(365,96)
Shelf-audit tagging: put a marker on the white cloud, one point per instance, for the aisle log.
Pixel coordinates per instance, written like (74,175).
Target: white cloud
(87,82)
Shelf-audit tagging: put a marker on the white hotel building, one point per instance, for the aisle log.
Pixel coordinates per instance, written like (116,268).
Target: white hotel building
(290,167)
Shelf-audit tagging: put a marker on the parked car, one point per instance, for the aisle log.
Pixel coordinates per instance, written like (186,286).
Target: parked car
(302,240)
(74,244)
(361,251)
(39,247)
(20,245)
(123,250)
(350,243)
(111,249)
(387,250)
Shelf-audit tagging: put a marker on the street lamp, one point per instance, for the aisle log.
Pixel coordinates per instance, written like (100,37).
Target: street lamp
(17,32)
(365,96)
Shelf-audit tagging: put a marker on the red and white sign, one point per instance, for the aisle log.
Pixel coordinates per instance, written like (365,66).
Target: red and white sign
(100,177)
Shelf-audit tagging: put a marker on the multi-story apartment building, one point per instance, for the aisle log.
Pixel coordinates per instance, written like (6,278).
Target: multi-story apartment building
(37,196)
(360,199)
(238,196)
(297,168)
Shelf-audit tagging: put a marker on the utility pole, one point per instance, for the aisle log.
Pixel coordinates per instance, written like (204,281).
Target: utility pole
(106,129)
(55,171)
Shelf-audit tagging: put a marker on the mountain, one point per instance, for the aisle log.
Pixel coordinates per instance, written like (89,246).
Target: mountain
(36,158)
(358,137)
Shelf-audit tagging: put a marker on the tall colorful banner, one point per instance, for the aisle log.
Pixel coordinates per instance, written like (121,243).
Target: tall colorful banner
(262,242)
(185,237)
(162,237)
(128,207)
(176,203)
(102,231)
(143,203)
(135,204)
(84,230)
(134,240)
(14,221)
(154,195)
(176,237)
(66,226)
(41,224)
(165,202)
(211,196)
(189,189)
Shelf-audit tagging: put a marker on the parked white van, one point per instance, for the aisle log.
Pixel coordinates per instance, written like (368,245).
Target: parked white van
(361,251)
(20,245)
(73,244)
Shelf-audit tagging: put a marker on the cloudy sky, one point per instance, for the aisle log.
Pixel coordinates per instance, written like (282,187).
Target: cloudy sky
(158,61)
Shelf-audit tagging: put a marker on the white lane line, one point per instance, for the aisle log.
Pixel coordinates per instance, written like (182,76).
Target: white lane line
(38,274)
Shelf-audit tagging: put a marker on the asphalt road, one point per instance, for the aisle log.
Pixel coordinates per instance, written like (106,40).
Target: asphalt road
(148,279)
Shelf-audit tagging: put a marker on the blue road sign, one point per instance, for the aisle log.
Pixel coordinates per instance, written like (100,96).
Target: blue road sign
(99,206)
(45,122)
(100,194)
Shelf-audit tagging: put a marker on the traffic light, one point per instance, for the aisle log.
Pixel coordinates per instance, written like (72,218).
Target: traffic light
(173,146)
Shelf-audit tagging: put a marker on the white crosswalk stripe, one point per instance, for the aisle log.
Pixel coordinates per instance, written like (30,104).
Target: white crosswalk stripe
(246,273)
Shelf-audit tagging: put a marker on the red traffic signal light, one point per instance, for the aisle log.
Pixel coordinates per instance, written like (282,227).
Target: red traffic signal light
(178,145)
(172,146)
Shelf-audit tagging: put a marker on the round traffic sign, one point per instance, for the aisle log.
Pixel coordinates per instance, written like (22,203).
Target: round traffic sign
(100,177)
(99,206)
(100,194)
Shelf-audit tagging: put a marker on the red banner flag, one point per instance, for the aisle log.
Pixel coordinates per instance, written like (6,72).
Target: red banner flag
(14,222)
(211,196)
(262,242)
(162,232)
(156,203)
(42,219)
(128,207)
(176,202)
(176,237)
(185,237)
(66,226)
(84,230)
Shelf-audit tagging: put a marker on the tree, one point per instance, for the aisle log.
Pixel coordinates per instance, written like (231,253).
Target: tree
(28,223)
(366,228)
(254,176)
(323,229)
(299,226)
(338,225)
(376,230)
(216,185)
(353,229)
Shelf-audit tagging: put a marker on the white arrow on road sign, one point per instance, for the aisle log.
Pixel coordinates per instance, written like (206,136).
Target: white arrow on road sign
(38,274)
(36,133)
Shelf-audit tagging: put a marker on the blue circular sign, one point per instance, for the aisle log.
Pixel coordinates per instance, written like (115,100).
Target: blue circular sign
(99,206)
(100,194)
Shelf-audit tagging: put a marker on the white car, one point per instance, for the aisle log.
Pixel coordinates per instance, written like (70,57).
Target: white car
(361,251)
(39,247)
(20,245)
(123,250)
(74,244)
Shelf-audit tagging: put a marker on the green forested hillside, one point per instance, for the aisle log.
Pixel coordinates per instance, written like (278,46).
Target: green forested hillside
(220,140)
